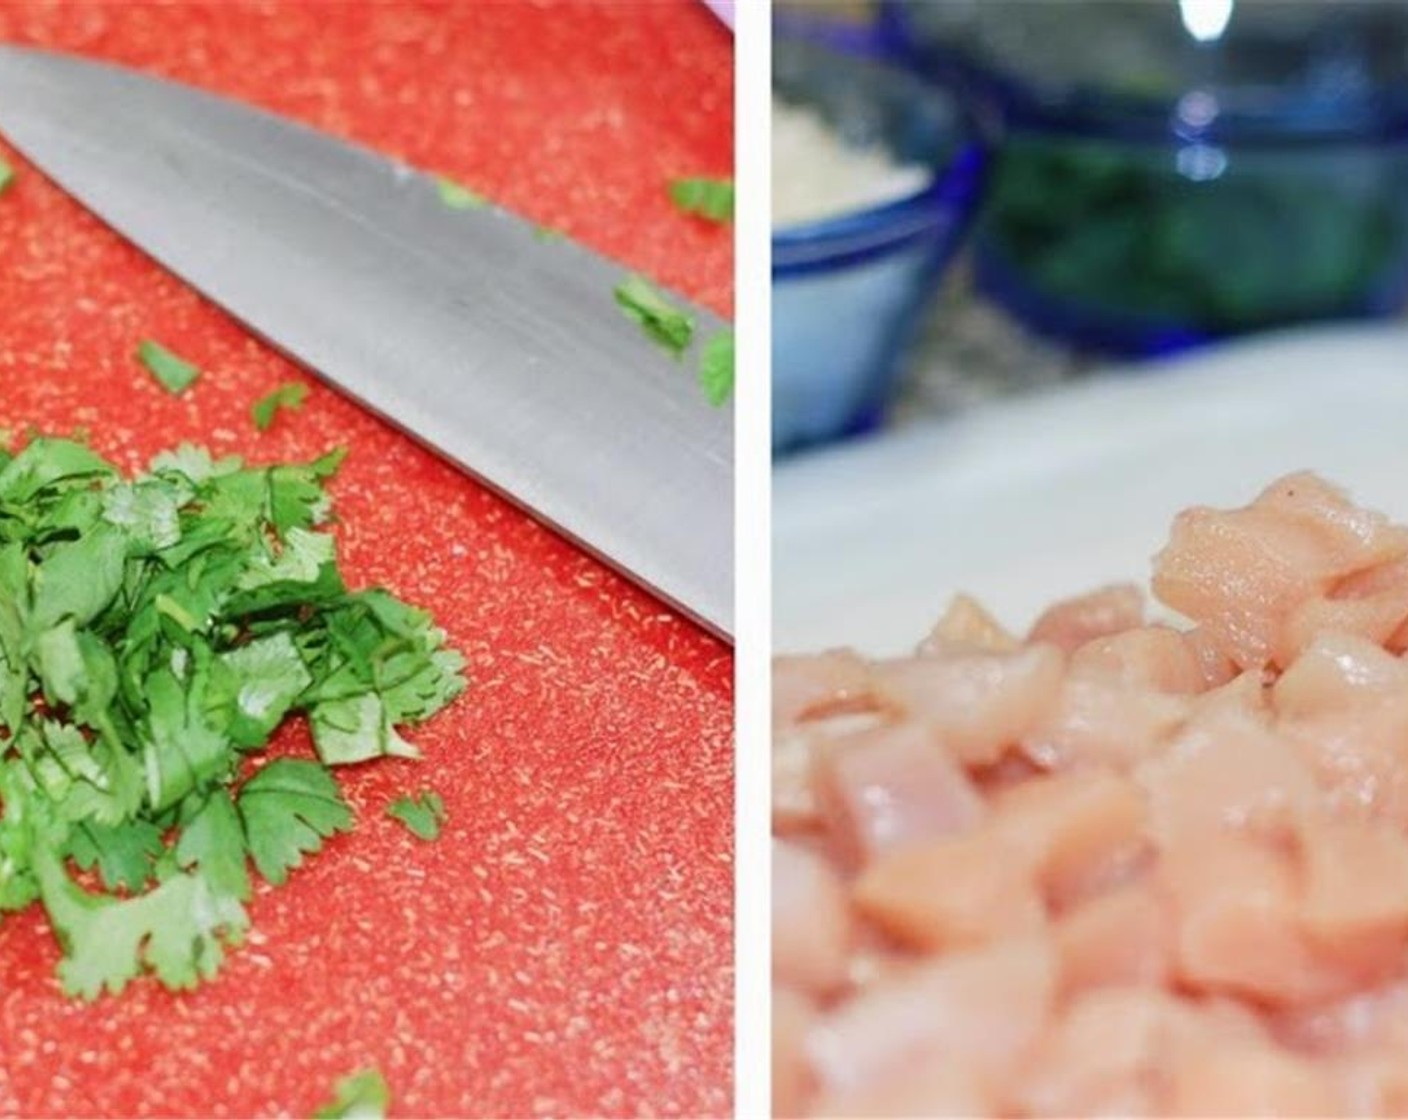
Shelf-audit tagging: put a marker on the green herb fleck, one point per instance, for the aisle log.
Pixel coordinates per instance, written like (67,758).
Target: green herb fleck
(154,634)
(704,197)
(660,319)
(716,368)
(291,394)
(175,374)
(7,175)
(363,1095)
(548,233)
(423,815)
(457,196)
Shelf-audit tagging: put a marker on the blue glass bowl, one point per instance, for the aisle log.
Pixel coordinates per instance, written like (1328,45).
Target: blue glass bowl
(846,291)
(1170,174)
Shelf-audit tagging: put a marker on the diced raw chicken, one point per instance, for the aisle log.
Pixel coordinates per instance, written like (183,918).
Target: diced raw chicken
(1385,582)
(1370,1021)
(1103,1058)
(1354,900)
(1238,929)
(875,957)
(1097,721)
(794,802)
(979,704)
(1119,870)
(792,1016)
(892,786)
(1350,538)
(1154,658)
(1246,695)
(966,626)
(807,687)
(1359,762)
(940,1087)
(1225,770)
(811,922)
(1072,623)
(1240,574)
(953,893)
(1222,1078)
(1083,831)
(1357,755)
(1113,1051)
(1376,618)
(1373,1084)
(1117,939)
(1217,668)
(1338,673)
(981,1008)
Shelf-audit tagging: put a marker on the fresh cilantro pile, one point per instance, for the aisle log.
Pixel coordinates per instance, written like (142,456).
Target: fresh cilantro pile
(153,634)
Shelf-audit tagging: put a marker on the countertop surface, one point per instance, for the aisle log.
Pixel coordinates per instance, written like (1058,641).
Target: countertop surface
(566,946)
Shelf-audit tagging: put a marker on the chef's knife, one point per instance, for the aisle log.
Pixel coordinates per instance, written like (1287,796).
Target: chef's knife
(499,348)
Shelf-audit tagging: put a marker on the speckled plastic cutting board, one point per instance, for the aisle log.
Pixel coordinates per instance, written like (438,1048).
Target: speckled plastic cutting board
(565,947)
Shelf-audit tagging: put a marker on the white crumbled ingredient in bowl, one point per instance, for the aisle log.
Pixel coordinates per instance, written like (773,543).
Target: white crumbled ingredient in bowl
(817,175)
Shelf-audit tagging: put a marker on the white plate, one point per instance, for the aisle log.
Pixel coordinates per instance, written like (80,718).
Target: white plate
(1023,503)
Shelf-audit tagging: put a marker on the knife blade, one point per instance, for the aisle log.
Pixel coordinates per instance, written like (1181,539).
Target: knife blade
(503,351)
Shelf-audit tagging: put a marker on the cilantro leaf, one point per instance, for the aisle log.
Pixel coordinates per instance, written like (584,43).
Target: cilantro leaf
(704,197)
(289,808)
(178,931)
(356,729)
(457,196)
(174,373)
(423,814)
(7,176)
(213,841)
(153,633)
(123,853)
(46,464)
(290,395)
(363,1095)
(18,796)
(184,748)
(659,319)
(716,369)
(79,578)
(255,685)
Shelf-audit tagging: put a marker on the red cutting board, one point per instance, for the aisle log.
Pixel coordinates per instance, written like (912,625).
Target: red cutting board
(565,947)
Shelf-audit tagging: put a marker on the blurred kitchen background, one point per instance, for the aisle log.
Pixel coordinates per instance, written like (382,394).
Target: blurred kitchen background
(974,198)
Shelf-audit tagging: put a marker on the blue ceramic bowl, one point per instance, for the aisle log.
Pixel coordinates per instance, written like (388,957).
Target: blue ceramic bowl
(846,291)
(1174,173)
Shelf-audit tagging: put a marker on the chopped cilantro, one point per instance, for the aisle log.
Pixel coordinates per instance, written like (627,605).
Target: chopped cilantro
(457,196)
(291,394)
(660,319)
(7,175)
(704,198)
(289,808)
(175,374)
(548,233)
(154,634)
(363,1095)
(423,815)
(716,368)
